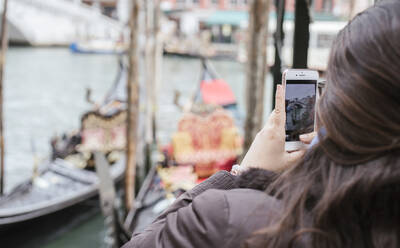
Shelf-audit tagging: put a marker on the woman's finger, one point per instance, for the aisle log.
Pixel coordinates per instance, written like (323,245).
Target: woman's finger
(280,99)
(277,118)
(308,137)
(279,112)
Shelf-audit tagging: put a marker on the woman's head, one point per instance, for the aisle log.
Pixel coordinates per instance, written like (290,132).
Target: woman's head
(360,107)
(344,193)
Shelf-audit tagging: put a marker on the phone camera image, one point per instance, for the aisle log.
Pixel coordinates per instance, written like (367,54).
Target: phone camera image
(300,108)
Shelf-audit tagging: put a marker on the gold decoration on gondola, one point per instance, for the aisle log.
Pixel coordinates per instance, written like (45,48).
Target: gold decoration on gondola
(103,133)
(210,142)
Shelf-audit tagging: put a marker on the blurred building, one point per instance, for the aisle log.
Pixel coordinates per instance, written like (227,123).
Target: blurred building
(206,4)
(350,8)
(318,5)
(106,3)
(107,7)
(58,23)
(343,8)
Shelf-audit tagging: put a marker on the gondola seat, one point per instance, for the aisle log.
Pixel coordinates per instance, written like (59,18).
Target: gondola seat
(209,143)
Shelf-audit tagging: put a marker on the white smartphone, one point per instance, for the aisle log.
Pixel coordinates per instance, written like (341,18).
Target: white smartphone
(300,98)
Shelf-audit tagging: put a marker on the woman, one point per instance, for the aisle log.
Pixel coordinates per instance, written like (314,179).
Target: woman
(344,192)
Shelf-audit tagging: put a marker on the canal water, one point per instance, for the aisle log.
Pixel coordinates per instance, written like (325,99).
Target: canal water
(45,95)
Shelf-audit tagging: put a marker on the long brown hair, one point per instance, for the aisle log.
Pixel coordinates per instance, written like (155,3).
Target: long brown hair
(346,191)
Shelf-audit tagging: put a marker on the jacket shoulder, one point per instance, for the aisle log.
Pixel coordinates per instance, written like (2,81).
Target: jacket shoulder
(249,211)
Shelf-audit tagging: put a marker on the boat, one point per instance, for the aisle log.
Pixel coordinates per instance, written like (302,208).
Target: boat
(58,186)
(207,140)
(213,90)
(70,178)
(98,47)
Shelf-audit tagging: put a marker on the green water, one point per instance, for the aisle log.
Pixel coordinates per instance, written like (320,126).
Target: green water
(88,234)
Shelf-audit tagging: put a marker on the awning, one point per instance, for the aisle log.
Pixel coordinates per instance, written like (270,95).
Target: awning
(233,18)
(241,18)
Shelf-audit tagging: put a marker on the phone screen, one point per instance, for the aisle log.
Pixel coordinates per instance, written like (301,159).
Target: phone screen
(300,107)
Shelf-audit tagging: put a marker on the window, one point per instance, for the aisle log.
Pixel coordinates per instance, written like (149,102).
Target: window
(180,3)
(327,5)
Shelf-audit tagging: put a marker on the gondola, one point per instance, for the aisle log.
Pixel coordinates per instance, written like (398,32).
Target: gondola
(187,161)
(69,178)
(58,186)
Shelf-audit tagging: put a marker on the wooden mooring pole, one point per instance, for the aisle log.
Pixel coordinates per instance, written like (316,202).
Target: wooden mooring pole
(153,53)
(4,44)
(279,37)
(133,106)
(149,48)
(153,59)
(301,37)
(158,60)
(256,69)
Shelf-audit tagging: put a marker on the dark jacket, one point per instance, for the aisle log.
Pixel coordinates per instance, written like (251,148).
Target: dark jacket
(216,213)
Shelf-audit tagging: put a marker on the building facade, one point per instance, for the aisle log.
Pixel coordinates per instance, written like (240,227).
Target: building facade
(318,5)
(208,4)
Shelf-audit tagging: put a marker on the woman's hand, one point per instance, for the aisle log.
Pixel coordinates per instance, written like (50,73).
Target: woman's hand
(308,137)
(268,148)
